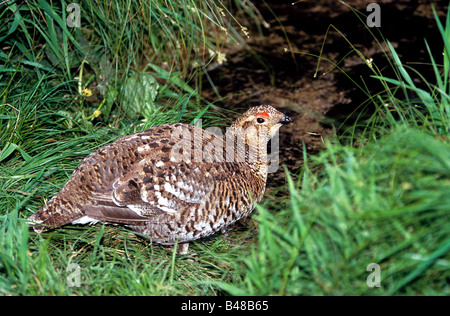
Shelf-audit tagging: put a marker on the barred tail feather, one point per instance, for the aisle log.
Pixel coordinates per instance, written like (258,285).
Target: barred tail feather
(56,213)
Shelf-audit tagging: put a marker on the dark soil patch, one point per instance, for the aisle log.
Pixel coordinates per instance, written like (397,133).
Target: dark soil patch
(285,79)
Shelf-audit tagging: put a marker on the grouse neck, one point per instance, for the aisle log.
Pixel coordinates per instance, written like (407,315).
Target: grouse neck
(248,145)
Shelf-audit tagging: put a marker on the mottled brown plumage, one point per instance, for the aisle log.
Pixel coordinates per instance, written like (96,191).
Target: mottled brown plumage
(173,182)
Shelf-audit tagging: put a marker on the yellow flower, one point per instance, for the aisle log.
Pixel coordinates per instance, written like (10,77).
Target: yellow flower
(97,113)
(86,92)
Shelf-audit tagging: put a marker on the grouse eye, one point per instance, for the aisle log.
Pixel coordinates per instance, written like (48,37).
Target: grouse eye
(260,120)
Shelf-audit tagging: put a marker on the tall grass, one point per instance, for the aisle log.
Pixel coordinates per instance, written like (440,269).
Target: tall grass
(157,47)
(429,105)
(387,204)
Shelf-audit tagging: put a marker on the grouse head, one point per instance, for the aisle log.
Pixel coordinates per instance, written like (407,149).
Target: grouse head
(262,122)
(251,132)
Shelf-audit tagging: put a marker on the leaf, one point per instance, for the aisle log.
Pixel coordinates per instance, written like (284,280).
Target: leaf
(139,94)
(7,150)
(25,156)
(199,115)
(48,9)
(14,25)
(36,65)
(173,77)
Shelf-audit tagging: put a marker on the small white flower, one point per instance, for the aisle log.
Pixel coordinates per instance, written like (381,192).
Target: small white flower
(221,58)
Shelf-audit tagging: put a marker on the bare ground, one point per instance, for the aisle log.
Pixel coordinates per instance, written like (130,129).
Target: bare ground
(283,72)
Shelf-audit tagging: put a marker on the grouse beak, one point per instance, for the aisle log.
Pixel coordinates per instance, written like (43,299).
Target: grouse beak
(286,119)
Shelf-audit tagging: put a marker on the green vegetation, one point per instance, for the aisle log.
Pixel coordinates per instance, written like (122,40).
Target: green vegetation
(387,204)
(381,194)
(386,201)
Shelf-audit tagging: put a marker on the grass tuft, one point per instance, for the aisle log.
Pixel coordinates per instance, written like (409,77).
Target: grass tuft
(386,204)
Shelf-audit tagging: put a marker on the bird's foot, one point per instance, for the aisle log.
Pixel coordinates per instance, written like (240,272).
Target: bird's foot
(183,249)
